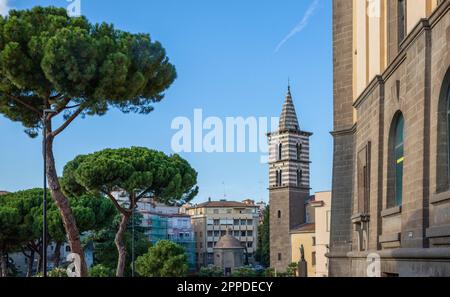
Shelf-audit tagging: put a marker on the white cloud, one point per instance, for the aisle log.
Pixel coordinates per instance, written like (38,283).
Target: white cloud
(4,7)
(300,26)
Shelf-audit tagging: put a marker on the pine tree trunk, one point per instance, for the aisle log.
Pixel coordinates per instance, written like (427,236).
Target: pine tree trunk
(61,201)
(57,254)
(30,264)
(121,245)
(4,264)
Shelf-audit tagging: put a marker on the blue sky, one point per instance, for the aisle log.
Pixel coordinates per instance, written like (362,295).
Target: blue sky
(227,64)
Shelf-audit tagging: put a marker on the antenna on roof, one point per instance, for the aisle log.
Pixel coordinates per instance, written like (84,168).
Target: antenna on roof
(224,191)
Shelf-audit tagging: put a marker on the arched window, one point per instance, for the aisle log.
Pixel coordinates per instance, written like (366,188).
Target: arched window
(443,137)
(299,151)
(280,178)
(279,214)
(448,134)
(280,151)
(299,177)
(399,158)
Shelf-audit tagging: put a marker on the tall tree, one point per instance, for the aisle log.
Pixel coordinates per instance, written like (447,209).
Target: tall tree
(16,221)
(49,60)
(136,171)
(165,259)
(92,213)
(105,250)
(263,247)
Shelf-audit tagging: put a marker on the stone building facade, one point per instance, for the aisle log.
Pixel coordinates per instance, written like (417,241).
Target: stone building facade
(391,185)
(289,185)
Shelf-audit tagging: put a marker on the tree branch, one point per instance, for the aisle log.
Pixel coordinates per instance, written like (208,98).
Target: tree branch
(143,194)
(67,122)
(30,107)
(117,205)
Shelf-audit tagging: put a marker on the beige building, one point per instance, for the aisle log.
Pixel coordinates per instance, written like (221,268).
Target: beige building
(305,235)
(391,176)
(212,219)
(322,214)
(314,235)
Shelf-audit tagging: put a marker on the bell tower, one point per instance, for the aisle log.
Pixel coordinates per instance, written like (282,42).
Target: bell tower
(289,184)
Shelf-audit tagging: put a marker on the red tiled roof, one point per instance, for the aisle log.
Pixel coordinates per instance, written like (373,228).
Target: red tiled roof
(222,204)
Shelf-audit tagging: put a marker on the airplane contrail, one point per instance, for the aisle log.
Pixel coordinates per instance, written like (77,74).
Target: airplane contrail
(300,26)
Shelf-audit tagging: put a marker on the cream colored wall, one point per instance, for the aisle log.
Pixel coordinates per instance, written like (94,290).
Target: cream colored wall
(370,37)
(306,239)
(323,216)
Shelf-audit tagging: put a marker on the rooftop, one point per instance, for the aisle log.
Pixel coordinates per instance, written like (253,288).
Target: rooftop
(228,242)
(223,204)
(305,228)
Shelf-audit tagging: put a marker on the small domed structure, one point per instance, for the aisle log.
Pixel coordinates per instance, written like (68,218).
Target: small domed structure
(228,253)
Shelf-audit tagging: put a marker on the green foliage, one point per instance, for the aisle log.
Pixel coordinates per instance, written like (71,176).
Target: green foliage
(269,272)
(165,259)
(244,272)
(17,218)
(57,272)
(101,271)
(21,217)
(263,244)
(105,251)
(48,59)
(211,271)
(169,179)
(292,270)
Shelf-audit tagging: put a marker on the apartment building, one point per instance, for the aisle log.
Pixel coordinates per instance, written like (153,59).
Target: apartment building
(212,219)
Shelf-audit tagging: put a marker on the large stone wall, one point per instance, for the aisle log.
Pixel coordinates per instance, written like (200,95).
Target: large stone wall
(414,239)
(343,155)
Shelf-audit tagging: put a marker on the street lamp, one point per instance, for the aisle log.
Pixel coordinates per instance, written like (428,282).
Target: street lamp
(44,210)
(132,243)
(134,205)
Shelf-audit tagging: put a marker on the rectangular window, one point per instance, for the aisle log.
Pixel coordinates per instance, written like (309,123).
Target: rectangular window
(236,233)
(314,241)
(235,222)
(401,11)
(313,260)
(249,222)
(279,256)
(216,211)
(242,233)
(210,233)
(250,244)
(216,222)
(328,220)
(364,179)
(249,233)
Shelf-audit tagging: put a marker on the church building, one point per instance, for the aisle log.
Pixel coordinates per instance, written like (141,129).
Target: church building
(289,184)
(390,209)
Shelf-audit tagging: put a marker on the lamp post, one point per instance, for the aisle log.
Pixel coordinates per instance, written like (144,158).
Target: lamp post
(134,205)
(44,209)
(132,243)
